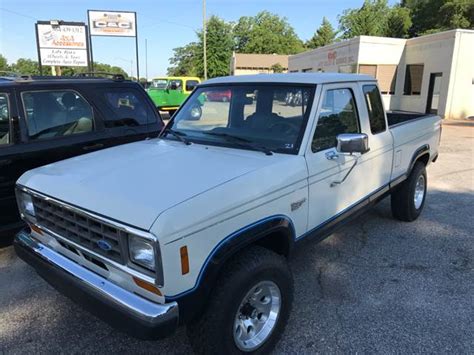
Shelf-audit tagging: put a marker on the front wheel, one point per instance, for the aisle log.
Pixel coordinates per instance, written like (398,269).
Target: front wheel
(408,199)
(249,307)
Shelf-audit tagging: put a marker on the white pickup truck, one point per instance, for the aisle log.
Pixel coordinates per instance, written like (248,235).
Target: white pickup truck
(196,227)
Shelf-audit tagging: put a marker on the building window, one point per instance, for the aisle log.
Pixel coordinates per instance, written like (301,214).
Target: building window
(385,75)
(413,79)
(375,109)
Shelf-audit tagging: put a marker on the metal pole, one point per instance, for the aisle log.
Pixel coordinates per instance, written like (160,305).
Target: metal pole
(204,30)
(39,51)
(90,58)
(136,47)
(146,59)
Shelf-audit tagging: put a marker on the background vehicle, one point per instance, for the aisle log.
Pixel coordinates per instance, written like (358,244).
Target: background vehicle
(248,181)
(43,120)
(220,95)
(168,93)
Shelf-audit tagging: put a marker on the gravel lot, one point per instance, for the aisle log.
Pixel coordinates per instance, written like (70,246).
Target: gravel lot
(378,286)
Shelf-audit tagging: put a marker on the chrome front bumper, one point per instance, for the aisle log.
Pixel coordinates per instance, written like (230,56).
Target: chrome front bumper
(120,308)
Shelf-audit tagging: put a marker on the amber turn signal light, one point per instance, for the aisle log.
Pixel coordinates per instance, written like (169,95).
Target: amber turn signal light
(147,286)
(184,260)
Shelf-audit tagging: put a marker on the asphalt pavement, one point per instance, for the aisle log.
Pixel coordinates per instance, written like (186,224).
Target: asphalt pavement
(377,286)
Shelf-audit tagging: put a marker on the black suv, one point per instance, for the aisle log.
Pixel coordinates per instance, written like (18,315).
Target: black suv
(46,119)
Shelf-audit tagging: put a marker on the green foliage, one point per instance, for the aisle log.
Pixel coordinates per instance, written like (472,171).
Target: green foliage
(324,35)
(266,33)
(184,59)
(398,22)
(277,68)
(369,20)
(431,16)
(3,63)
(28,67)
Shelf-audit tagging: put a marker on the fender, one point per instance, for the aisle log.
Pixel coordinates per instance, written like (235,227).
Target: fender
(192,301)
(423,150)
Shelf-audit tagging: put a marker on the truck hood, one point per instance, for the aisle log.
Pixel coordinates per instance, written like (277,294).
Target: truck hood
(135,183)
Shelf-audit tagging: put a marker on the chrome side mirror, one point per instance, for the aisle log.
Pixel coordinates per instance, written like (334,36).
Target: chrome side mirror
(352,143)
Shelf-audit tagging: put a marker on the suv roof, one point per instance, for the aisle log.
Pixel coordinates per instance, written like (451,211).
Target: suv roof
(60,80)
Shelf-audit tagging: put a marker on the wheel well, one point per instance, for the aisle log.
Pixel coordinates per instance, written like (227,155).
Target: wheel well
(277,242)
(425,158)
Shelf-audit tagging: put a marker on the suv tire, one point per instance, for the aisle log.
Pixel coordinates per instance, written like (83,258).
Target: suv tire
(254,291)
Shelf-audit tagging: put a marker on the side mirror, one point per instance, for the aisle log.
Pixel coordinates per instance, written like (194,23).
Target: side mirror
(352,143)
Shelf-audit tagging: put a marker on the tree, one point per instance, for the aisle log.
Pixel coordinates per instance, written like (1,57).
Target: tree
(188,60)
(324,35)
(29,67)
(3,63)
(369,20)
(398,22)
(266,33)
(430,16)
(277,68)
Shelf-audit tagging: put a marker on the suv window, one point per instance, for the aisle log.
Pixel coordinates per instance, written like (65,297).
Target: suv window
(58,113)
(338,115)
(375,109)
(175,84)
(191,84)
(129,109)
(4,120)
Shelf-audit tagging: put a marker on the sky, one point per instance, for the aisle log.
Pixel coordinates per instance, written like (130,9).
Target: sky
(163,24)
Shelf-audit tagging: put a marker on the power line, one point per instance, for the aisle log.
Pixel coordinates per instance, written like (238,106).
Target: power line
(18,13)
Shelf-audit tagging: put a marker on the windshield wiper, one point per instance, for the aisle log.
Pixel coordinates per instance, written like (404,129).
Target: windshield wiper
(177,134)
(243,142)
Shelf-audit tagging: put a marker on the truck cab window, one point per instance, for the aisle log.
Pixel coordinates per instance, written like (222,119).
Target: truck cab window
(338,115)
(4,120)
(375,109)
(52,114)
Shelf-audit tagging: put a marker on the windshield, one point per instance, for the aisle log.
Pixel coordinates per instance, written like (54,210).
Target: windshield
(268,116)
(160,83)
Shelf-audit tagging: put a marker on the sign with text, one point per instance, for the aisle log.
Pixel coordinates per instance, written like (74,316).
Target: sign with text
(62,44)
(112,23)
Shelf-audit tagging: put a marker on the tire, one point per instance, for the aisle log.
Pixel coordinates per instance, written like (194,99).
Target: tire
(251,270)
(409,198)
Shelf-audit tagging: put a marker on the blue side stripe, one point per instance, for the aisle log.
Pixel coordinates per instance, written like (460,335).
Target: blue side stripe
(221,243)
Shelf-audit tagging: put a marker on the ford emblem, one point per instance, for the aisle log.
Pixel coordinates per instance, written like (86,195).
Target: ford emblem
(104,245)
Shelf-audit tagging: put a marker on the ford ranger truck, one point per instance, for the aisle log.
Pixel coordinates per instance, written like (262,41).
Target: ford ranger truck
(245,181)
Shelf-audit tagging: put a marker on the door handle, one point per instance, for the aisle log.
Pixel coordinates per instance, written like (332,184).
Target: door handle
(5,162)
(93,146)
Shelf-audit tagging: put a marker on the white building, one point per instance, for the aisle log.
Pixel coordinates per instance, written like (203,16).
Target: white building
(247,64)
(433,73)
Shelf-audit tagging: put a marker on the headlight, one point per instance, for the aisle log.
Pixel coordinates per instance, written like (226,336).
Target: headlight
(25,203)
(142,252)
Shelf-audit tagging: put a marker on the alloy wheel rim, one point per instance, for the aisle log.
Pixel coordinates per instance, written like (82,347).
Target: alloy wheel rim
(257,316)
(419,192)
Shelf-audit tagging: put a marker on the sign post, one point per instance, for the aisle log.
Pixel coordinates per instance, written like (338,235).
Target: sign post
(115,24)
(62,44)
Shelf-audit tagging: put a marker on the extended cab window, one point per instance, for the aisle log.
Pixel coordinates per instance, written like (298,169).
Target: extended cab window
(129,108)
(4,120)
(375,109)
(58,113)
(338,115)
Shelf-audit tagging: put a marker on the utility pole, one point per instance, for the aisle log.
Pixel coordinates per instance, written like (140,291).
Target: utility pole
(204,30)
(146,59)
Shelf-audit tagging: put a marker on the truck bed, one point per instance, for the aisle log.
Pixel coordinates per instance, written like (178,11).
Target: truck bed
(399,117)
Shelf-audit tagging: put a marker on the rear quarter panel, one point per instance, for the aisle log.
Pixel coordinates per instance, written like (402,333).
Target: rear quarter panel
(409,137)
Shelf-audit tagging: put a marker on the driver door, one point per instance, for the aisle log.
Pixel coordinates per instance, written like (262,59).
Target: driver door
(337,113)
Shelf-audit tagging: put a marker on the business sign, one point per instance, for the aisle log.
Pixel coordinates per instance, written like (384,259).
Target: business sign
(112,23)
(62,44)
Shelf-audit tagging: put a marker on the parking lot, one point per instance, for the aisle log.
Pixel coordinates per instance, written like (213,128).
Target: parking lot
(377,286)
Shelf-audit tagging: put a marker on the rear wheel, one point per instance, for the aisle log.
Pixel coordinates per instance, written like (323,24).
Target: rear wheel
(408,199)
(249,308)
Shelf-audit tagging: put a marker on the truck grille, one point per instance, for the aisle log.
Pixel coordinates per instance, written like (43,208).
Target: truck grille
(80,228)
